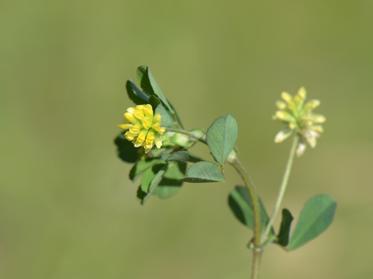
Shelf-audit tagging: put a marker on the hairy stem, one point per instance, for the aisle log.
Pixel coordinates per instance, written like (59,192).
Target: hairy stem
(282,190)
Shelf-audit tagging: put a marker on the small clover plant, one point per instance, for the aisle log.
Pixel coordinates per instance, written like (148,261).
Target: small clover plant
(154,140)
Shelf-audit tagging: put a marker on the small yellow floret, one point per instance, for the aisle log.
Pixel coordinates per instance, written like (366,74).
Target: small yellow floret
(299,119)
(144,128)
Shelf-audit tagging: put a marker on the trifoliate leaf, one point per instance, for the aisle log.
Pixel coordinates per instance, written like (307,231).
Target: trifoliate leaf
(172,180)
(204,172)
(222,137)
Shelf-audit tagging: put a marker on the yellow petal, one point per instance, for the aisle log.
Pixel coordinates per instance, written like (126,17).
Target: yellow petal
(125,126)
(140,138)
(157,118)
(135,129)
(318,128)
(146,122)
(129,116)
(318,118)
(284,116)
(129,136)
(138,113)
(148,111)
(302,93)
(149,142)
(292,125)
(280,105)
(150,137)
(131,110)
(160,130)
(311,105)
(286,97)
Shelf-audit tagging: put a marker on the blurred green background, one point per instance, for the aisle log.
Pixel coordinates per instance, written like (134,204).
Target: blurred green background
(67,209)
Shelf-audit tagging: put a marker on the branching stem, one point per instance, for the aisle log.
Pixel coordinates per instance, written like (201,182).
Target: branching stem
(251,190)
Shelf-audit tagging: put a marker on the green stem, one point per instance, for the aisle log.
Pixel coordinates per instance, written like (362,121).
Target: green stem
(257,249)
(281,193)
(236,164)
(255,265)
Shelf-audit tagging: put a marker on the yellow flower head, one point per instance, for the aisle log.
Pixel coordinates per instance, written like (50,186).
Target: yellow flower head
(144,128)
(299,118)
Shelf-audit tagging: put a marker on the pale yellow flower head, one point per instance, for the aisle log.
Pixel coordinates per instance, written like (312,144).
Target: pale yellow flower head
(143,127)
(299,118)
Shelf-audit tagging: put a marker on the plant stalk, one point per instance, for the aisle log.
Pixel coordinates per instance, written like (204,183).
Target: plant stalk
(236,164)
(257,249)
(282,190)
(255,265)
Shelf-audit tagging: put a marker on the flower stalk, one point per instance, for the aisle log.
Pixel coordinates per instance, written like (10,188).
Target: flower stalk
(282,190)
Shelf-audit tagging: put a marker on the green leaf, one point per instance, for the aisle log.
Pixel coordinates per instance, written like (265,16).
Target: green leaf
(141,195)
(150,85)
(204,172)
(182,156)
(142,75)
(149,175)
(167,119)
(315,218)
(176,115)
(158,91)
(242,208)
(156,180)
(146,180)
(142,165)
(135,94)
(284,234)
(125,149)
(222,137)
(171,181)
(150,180)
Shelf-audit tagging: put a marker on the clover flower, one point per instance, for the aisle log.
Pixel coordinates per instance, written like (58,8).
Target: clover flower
(299,118)
(144,127)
